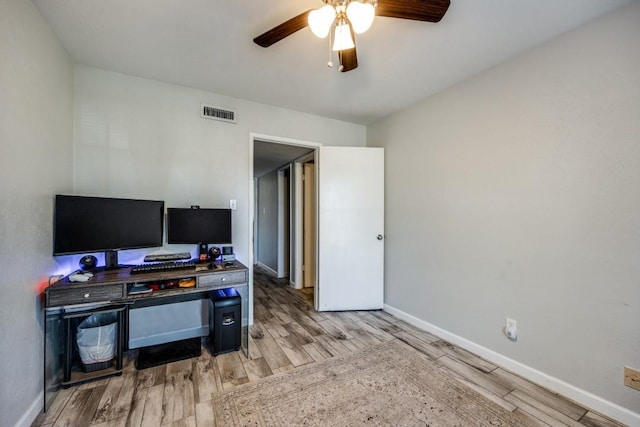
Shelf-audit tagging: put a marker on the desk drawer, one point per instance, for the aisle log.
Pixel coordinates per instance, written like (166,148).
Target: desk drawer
(85,294)
(218,279)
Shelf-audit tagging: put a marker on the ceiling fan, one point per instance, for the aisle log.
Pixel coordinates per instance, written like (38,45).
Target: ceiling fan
(349,17)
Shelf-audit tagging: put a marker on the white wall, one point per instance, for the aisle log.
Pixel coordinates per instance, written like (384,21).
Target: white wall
(517,193)
(268,220)
(141,138)
(36,84)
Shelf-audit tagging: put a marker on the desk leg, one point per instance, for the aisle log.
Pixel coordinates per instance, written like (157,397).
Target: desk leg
(119,339)
(68,350)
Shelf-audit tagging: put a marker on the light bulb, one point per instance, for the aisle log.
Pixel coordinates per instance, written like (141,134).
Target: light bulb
(320,20)
(342,38)
(361,16)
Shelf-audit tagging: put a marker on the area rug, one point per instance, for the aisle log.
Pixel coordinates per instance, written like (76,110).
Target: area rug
(390,384)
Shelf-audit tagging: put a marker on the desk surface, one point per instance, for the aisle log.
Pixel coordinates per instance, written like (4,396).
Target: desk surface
(113,285)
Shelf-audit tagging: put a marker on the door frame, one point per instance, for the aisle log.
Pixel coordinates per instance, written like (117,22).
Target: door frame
(284,222)
(275,140)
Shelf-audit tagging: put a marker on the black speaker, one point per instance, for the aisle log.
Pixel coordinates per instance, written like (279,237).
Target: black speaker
(214,253)
(88,262)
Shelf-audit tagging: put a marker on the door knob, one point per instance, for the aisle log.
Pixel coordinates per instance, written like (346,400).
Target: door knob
(380,237)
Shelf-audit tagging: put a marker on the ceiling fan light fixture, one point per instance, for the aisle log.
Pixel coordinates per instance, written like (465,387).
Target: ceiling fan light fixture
(360,15)
(342,39)
(321,20)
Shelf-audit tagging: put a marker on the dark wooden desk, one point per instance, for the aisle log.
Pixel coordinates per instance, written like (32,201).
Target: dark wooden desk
(111,290)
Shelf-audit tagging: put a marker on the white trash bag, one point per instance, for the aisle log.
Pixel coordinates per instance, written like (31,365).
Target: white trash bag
(96,336)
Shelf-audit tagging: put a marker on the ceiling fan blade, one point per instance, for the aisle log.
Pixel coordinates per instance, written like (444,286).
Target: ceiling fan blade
(418,10)
(348,59)
(283,30)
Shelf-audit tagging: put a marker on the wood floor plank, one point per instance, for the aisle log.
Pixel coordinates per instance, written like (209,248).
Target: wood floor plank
(189,421)
(178,395)
(378,322)
(152,416)
(81,407)
(204,379)
(381,314)
(294,351)
(107,402)
(280,315)
(303,320)
(272,352)
(473,375)
(56,407)
(257,368)
(333,346)
(151,376)
(543,413)
(298,334)
(498,400)
(331,328)
(378,334)
(205,414)
(232,371)
(118,422)
(274,328)
(254,351)
(416,332)
(548,398)
(134,419)
(124,401)
(419,344)
(317,351)
(354,344)
(464,356)
(591,419)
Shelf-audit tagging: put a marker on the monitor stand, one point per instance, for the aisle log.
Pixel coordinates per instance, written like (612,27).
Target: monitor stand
(111,260)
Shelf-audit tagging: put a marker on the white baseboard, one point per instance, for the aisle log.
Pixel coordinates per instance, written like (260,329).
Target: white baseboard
(583,397)
(266,267)
(32,412)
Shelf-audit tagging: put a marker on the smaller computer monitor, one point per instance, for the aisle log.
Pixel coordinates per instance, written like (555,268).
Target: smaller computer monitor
(192,226)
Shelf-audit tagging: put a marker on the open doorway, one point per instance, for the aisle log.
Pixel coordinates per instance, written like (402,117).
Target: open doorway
(283,241)
(349,226)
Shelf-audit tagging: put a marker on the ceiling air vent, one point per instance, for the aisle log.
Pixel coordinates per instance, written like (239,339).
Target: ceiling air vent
(217,113)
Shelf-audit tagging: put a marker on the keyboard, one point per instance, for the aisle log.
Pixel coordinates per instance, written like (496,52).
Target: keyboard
(167,257)
(162,266)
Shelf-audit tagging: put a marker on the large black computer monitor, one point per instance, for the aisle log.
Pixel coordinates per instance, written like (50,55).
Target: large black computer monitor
(94,224)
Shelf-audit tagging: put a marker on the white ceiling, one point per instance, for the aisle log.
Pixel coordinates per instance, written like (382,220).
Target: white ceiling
(207,44)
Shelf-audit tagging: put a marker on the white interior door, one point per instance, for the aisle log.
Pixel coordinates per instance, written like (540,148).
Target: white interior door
(350,228)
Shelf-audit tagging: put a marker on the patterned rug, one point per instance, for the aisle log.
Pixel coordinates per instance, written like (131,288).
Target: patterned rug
(390,384)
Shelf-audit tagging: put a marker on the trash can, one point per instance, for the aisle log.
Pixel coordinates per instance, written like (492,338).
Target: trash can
(225,321)
(96,339)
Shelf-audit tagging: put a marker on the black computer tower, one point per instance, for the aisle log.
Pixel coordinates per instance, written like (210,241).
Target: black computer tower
(225,321)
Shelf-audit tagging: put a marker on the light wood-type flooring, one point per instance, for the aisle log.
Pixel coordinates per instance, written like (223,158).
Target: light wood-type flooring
(288,333)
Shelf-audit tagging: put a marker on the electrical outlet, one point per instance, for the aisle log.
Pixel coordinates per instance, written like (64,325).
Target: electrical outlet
(511,329)
(232,205)
(632,377)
